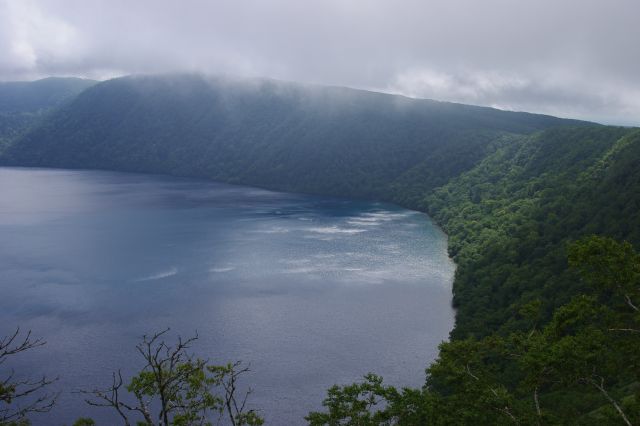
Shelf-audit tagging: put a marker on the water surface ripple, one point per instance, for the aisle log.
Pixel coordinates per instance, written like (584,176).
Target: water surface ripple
(312,291)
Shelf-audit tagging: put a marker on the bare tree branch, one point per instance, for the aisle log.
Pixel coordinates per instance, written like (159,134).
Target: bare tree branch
(630,330)
(630,303)
(599,384)
(18,397)
(176,385)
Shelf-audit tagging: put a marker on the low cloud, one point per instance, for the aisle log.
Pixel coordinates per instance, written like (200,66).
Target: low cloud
(570,98)
(578,58)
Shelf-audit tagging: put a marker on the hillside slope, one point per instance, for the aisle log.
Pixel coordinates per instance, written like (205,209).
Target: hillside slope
(23,103)
(279,135)
(509,219)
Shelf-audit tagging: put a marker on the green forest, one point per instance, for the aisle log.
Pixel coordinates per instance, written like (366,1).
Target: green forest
(24,104)
(542,216)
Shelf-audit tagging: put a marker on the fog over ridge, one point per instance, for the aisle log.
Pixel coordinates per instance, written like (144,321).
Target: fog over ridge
(575,58)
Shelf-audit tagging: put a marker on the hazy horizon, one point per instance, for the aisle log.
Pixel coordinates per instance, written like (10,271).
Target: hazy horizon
(160,74)
(575,59)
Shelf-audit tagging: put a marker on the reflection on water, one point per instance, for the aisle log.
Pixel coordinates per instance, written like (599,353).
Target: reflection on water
(311,291)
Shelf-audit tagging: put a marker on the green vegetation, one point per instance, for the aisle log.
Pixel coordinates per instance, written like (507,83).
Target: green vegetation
(510,218)
(547,314)
(24,104)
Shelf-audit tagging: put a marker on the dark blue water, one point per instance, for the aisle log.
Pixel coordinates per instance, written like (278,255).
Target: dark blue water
(311,291)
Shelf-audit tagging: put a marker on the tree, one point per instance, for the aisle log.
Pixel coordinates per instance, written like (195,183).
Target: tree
(20,397)
(613,269)
(364,404)
(175,388)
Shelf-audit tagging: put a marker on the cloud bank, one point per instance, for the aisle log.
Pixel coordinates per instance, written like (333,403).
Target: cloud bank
(572,58)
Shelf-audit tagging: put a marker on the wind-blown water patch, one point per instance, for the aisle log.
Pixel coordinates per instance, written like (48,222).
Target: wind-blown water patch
(159,275)
(335,230)
(283,281)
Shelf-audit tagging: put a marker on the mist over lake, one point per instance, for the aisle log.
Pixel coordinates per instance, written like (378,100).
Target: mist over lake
(311,291)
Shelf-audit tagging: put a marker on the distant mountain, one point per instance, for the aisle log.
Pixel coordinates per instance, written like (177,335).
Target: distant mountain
(39,95)
(23,103)
(269,133)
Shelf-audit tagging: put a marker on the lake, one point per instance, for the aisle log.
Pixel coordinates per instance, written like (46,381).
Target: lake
(311,291)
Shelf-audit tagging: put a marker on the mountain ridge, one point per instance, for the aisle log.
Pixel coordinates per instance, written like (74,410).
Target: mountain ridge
(247,131)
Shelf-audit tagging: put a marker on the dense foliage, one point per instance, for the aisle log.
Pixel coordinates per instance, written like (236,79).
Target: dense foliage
(509,219)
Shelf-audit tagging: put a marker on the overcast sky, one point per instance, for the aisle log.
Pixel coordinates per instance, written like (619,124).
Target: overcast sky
(571,58)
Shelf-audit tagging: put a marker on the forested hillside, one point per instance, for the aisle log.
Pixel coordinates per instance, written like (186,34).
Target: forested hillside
(547,318)
(274,134)
(510,218)
(22,104)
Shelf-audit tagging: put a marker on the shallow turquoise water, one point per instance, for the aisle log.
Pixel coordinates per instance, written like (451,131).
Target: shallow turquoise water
(310,290)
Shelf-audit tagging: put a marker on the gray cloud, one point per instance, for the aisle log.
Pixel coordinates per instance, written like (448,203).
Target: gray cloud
(576,58)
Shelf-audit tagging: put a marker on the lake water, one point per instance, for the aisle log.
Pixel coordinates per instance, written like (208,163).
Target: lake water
(312,291)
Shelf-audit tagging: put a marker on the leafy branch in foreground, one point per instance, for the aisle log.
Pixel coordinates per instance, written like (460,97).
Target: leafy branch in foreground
(175,388)
(362,403)
(21,397)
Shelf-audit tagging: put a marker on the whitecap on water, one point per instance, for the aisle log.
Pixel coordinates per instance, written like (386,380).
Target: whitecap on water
(273,230)
(222,269)
(335,230)
(385,215)
(160,275)
(364,222)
